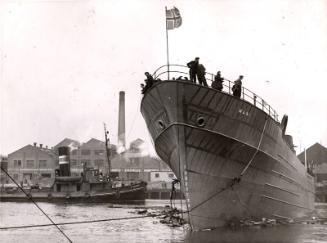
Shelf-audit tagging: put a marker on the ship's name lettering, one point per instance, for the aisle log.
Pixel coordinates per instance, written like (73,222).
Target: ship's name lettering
(243,112)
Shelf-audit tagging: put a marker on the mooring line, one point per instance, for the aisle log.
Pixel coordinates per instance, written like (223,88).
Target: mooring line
(30,198)
(81,222)
(257,150)
(236,179)
(233,182)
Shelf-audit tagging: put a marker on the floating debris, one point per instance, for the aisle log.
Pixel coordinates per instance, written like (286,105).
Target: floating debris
(272,222)
(172,217)
(169,216)
(144,211)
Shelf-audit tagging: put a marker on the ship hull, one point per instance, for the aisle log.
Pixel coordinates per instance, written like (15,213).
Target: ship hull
(230,156)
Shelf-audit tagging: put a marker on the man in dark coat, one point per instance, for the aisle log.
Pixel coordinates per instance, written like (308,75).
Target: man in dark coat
(149,81)
(201,72)
(218,82)
(193,65)
(237,87)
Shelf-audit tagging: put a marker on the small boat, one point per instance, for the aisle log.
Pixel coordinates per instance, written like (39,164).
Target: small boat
(91,186)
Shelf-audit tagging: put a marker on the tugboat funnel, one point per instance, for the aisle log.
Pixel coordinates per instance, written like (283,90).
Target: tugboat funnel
(64,161)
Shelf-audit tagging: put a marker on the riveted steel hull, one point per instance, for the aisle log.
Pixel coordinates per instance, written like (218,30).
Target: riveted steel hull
(208,138)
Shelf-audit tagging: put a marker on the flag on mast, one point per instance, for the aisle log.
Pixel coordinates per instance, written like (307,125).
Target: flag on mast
(173,18)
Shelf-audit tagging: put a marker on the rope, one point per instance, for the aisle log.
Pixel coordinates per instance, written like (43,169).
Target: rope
(236,179)
(30,198)
(242,204)
(257,150)
(233,182)
(80,222)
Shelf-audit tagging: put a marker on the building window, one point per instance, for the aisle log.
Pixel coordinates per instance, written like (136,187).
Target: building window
(46,175)
(17,163)
(99,152)
(156,175)
(86,152)
(74,152)
(43,163)
(15,177)
(171,175)
(29,163)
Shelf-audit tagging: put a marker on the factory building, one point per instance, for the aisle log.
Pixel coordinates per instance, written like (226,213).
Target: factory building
(33,164)
(4,166)
(316,157)
(37,164)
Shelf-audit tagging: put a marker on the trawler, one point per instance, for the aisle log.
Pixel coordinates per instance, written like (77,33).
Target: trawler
(89,187)
(231,154)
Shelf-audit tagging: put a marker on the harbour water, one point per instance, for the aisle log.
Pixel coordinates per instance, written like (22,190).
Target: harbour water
(146,229)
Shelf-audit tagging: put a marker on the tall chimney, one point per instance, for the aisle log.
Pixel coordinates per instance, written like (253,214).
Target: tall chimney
(121,122)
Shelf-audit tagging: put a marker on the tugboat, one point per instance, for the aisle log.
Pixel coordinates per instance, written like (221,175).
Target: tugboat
(90,186)
(230,153)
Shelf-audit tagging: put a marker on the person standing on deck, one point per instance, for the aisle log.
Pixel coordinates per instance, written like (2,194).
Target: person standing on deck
(237,87)
(201,72)
(218,82)
(149,81)
(193,66)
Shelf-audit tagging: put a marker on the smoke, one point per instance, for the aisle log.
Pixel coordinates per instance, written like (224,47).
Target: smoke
(72,146)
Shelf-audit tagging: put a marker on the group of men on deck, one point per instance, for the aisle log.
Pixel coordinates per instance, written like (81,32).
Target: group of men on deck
(198,71)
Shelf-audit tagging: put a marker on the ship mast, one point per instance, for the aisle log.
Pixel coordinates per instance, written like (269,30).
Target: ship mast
(107,148)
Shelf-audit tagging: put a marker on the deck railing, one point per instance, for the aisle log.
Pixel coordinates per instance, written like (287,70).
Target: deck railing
(176,71)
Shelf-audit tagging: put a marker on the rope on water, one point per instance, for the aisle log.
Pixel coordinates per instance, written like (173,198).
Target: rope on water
(81,222)
(30,198)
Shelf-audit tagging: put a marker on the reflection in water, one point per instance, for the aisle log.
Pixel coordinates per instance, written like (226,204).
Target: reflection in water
(137,230)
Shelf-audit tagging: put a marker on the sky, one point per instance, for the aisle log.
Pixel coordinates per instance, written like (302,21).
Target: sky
(63,63)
